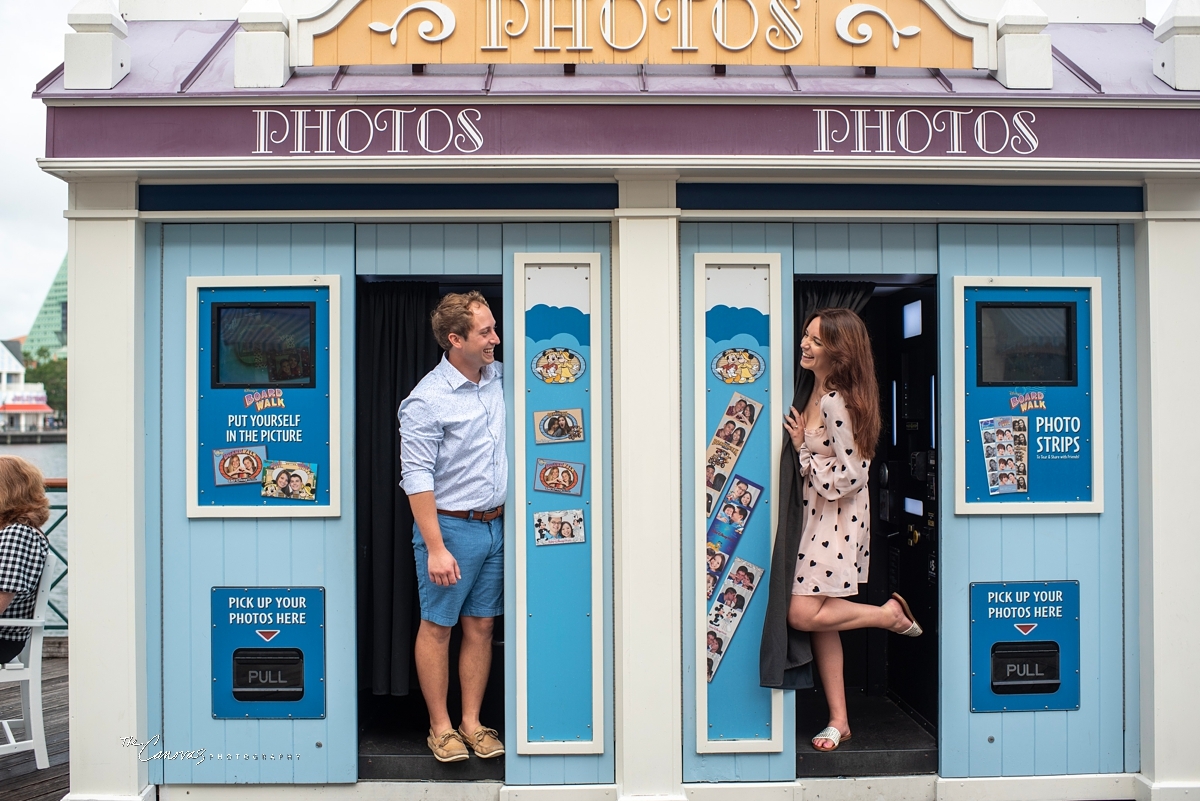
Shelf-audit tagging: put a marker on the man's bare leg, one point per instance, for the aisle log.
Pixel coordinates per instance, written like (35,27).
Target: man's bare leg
(433,672)
(474,665)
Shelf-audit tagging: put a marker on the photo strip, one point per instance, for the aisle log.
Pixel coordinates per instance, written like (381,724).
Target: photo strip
(733,430)
(559,528)
(564,478)
(558,425)
(1005,453)
(743,491)
(731,602)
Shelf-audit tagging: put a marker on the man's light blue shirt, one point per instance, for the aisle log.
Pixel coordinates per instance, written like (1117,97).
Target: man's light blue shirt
(452,439)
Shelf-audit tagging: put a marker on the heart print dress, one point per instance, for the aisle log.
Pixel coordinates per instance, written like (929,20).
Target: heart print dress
(835,544)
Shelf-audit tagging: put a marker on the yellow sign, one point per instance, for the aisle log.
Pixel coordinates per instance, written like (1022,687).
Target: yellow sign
(886,33)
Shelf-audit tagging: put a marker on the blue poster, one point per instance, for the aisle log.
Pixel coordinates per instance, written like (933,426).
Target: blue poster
(263,407)
(1028,373)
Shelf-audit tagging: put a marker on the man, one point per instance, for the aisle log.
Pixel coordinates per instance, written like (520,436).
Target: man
(454,468)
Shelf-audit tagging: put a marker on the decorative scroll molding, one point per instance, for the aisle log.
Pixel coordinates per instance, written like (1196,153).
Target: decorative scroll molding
(842,25)
(743,31)
(441,11)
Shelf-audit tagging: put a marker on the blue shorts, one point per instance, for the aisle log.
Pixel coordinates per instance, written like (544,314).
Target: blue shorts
(478,548)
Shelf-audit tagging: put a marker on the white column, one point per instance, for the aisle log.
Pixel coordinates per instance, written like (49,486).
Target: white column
(1168,328)
(106,476)
(1177,59)
(1023,53)
(646,403)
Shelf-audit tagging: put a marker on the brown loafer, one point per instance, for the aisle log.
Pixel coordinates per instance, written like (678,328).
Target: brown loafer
(448,747)
(484,742)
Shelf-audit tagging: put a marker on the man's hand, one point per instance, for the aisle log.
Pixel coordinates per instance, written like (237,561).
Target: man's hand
(443,567)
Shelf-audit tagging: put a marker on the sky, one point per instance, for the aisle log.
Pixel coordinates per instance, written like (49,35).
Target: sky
(33,233)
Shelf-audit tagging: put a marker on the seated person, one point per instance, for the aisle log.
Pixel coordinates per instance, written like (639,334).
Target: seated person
(24,509)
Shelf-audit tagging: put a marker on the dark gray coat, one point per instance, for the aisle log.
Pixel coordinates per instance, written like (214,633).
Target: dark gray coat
(785,655)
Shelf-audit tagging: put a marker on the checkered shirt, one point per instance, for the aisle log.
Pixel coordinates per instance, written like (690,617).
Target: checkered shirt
(22,556)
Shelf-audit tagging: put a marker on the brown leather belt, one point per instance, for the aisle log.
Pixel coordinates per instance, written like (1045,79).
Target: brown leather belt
(482,517)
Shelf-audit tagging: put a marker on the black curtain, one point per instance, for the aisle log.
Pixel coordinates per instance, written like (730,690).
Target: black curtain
(785,655)
(395,349)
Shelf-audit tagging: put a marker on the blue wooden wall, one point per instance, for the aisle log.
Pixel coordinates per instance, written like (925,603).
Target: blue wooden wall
(186,558)
(1101,737)
(488,249)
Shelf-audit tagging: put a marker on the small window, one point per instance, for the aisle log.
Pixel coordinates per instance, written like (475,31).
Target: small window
(1026,344)
(263,345)
(912,319)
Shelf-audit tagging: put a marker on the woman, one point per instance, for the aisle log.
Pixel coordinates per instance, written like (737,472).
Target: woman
(739,438)
(24,509)
(834,439)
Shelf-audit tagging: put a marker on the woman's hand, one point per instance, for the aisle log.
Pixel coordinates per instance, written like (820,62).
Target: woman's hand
(793,423)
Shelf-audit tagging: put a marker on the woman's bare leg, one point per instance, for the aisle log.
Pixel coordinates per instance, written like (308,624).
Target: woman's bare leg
(827,650)
(817,613)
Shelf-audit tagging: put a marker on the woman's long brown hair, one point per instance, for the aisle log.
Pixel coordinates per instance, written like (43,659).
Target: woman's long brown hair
(844,337)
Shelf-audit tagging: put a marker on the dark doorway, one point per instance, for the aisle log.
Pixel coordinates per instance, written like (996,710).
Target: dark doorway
(892,682)
(394,349)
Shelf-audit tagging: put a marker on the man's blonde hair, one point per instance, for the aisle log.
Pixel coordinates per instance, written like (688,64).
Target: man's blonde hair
(455,315)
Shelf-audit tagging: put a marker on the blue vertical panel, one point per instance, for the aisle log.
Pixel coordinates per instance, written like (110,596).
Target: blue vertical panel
(200,554)
(1087,548)
(1014,258)
(153,488)
(558,634)
(428,249)
(551,238)
(736,238)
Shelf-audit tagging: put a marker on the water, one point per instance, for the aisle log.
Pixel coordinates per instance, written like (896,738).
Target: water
(52,461)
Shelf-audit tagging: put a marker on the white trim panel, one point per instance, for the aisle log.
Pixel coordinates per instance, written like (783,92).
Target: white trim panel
(773,262)
(192,390)
(961,505)
(519,376)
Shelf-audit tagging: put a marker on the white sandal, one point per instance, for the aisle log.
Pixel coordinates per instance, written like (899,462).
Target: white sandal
(831,734)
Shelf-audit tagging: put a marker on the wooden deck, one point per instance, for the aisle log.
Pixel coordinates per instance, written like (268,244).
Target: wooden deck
(20,780)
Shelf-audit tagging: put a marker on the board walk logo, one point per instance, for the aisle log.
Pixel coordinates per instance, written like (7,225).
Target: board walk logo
(1027,401)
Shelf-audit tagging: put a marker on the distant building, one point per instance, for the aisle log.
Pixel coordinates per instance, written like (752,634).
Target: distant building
(22,406)
(50,326)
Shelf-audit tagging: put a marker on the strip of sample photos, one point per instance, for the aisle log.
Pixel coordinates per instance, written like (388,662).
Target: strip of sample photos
(1006,453)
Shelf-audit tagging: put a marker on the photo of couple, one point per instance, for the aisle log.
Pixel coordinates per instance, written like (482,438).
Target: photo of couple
(292,481)
(558,528)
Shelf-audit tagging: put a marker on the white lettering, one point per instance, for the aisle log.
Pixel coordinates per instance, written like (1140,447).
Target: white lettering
(785,25)
(608,24)
(1023,122)
(684,23)
(884,127)
(266,137)
(423,130)
(981,132)
(469,131)
(904,135)
(343,131)
(720,25)
(397,123)
(825,135)
(322,128)
(954,126)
